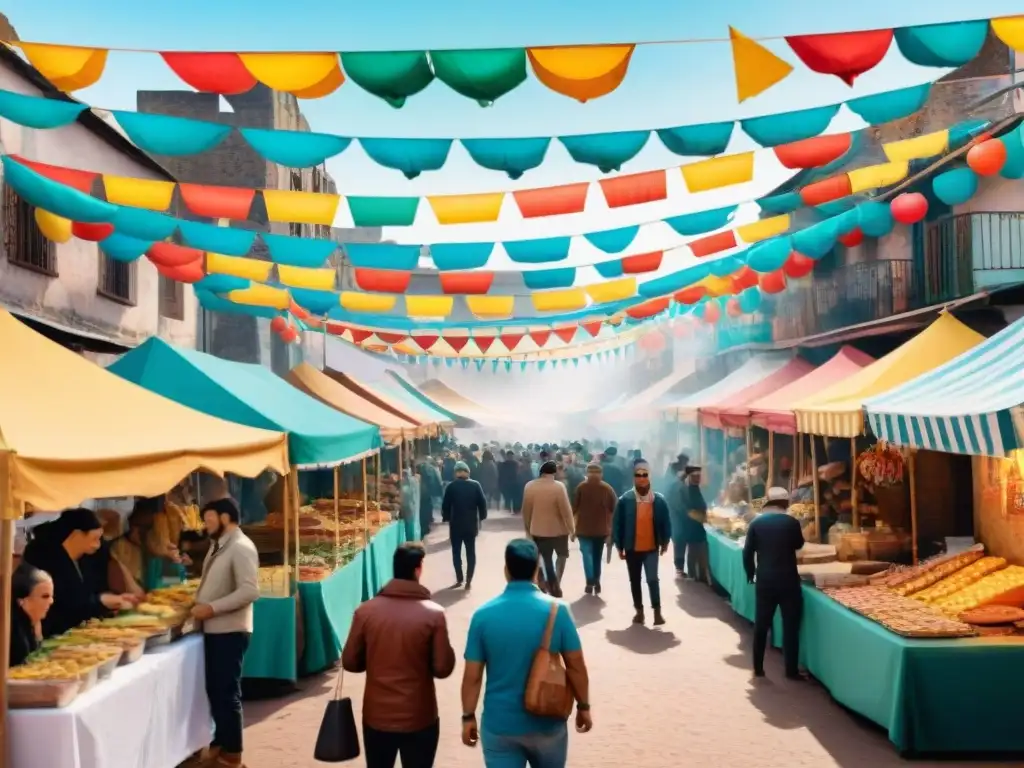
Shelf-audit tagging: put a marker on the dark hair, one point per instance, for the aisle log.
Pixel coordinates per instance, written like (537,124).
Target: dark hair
(407,558)
(544,455)
(548,468)
(638,460)
(224,506)
(25,578)
(76,519)
(488,456)
(611,451)
(521,559)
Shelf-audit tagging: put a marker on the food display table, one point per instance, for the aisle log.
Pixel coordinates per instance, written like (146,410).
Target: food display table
(325,609)
(150,714)
(931,696)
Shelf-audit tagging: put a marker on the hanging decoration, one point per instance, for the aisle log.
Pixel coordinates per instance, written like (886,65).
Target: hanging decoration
(882,465)
(909,207)
(987,158)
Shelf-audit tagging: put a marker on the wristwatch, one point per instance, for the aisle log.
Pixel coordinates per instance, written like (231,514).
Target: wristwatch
(583,707)
(469,718)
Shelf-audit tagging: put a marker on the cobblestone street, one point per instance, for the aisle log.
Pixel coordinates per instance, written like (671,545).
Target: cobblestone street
(678,695)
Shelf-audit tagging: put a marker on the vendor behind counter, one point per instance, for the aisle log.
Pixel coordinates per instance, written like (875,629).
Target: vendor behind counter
(32,596)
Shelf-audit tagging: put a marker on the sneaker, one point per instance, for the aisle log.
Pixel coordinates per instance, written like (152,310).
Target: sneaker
(457,584)
(758,673)
(469,586)
(658,618)
(638,617)
(589,590)
(597,587)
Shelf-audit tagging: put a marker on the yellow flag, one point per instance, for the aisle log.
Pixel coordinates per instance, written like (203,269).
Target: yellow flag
(757,69)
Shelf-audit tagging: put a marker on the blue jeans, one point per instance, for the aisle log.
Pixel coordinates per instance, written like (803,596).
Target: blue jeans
(678,519)
(592,547)
(549,749)
(643,564)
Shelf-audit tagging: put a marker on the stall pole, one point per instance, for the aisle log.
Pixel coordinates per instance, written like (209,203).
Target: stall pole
(286,522)
(700,438)
(366,511)
(293,492)
(817,497)
(750,452)
(7,563)
(798,462)
(337,510)
(853,484)
(771,459)
(376,490)
(913,505)
(794,475)
(725,459)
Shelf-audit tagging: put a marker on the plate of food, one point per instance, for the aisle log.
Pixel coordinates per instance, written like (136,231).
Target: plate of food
(991,615)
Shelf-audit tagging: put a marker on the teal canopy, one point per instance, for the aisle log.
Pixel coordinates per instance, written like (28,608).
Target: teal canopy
(251,395)
(396,388)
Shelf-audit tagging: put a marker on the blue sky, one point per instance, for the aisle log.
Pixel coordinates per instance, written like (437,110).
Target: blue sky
(666,85)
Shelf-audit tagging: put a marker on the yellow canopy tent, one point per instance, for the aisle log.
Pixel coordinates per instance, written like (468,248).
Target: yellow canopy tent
(71,431)
(838,411)
(439,392)
(328,391)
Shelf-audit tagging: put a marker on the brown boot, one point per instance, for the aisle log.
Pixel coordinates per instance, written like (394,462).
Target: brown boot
(229,760)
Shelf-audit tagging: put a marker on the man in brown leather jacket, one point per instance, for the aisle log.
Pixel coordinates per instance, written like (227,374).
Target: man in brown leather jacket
(400,639)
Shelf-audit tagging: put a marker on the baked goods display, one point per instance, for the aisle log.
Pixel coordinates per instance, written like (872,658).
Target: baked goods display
(902,615)
(937,572)
(960,579)
(992,615)
(1005,587)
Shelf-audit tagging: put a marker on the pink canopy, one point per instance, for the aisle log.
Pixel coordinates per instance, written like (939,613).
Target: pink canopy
(774,412)
(732,410)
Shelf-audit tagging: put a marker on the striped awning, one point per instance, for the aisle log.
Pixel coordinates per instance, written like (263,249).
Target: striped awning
(970,405)
(841,419)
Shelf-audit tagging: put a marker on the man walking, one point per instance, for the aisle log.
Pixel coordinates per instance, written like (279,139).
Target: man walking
(400,640)
(504,635)
(769,558)
(641,532)
(229,587)
(613,472)
(508,482)
(547,517)
(694,536)
(464,507)
(593,506)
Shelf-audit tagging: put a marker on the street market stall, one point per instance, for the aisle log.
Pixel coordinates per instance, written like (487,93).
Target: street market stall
(319,437)
(72,431)
(393,398)
(460,409)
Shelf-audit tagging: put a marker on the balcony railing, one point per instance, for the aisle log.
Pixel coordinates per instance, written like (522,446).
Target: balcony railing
(849,295)
(971,251)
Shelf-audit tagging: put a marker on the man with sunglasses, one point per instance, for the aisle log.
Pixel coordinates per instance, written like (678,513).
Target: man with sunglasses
(641,531)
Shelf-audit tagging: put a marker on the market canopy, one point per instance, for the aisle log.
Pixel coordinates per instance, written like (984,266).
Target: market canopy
(838,410)
(461,410)
(394,399)
(646,399)
(774,411)
(970,405)
(754,370)
(329,392)
(249,394)
(731,410)
(70,431)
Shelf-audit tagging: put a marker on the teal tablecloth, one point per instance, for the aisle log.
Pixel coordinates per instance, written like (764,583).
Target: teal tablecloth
(380,557)
(327,608)
(931,696)
(273,650)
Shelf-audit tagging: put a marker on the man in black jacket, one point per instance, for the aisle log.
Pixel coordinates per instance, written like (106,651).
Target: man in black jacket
(769,558)
(463,507)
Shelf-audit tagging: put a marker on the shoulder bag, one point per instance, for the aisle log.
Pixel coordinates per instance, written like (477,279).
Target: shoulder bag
(548,692)
(338,740)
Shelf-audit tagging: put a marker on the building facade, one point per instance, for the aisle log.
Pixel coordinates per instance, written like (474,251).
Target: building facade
(71,291)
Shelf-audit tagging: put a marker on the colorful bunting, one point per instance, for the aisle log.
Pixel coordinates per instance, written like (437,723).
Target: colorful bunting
(843,54)
(757,69)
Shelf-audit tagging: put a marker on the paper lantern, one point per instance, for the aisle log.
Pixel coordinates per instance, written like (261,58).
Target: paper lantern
(54,228)
(798,265)
(853,238)
(773,282)
(909,208)
(732,306)
(92,232)
(279,325)
(987,158)
(712,312)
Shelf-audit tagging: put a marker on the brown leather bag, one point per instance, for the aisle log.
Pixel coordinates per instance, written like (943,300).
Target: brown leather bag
(548,692)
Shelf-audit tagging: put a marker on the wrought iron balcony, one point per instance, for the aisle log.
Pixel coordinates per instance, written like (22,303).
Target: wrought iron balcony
(970,252)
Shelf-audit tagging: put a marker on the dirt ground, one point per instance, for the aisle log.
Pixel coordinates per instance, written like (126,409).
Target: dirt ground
(678,695)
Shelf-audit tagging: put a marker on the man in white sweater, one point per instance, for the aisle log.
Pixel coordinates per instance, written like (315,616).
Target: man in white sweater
(229,587)
(547,516)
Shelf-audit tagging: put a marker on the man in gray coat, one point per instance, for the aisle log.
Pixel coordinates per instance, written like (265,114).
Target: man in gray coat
(229,587)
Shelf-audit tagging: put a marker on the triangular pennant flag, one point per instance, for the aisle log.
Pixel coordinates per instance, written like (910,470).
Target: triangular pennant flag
(437,362)
(483,342)
(359,336)
(592,328)
(575,362)
(554,364)
(449,361)
(511,340)
(757,69)
(540,338)
(457,342)
(425,342)
(617,350)
(589,357)
(522,366)
(566,334)
(508,365)
(479,364)
(542,365)
(464,362)
(494,366)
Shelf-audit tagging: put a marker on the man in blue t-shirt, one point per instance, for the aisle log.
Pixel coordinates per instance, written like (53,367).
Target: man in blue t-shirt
(504,635)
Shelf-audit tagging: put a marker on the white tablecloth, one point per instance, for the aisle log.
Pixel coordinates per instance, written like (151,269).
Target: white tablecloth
(150,714)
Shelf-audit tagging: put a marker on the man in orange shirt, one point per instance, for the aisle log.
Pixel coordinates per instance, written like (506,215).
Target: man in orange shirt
(641,531)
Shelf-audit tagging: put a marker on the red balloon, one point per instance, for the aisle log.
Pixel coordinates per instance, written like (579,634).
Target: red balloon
(909,208)
(773,282)
(691,295)
(743,279)
(987,158)
(92,232)
(712,312)
(732,306)
(853,238)
(290,334)
(278,324)
(798,265)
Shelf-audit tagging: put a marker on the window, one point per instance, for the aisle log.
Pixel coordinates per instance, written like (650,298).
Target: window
(117,280)
(172,299)
(23,242)
(294,228)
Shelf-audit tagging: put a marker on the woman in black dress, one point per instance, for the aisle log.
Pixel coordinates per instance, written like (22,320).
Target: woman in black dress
(32,593)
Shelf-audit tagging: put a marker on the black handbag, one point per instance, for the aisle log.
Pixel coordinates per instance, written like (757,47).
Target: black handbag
(338,740)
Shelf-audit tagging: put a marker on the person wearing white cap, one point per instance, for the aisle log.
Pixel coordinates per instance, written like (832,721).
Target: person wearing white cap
(769,559)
